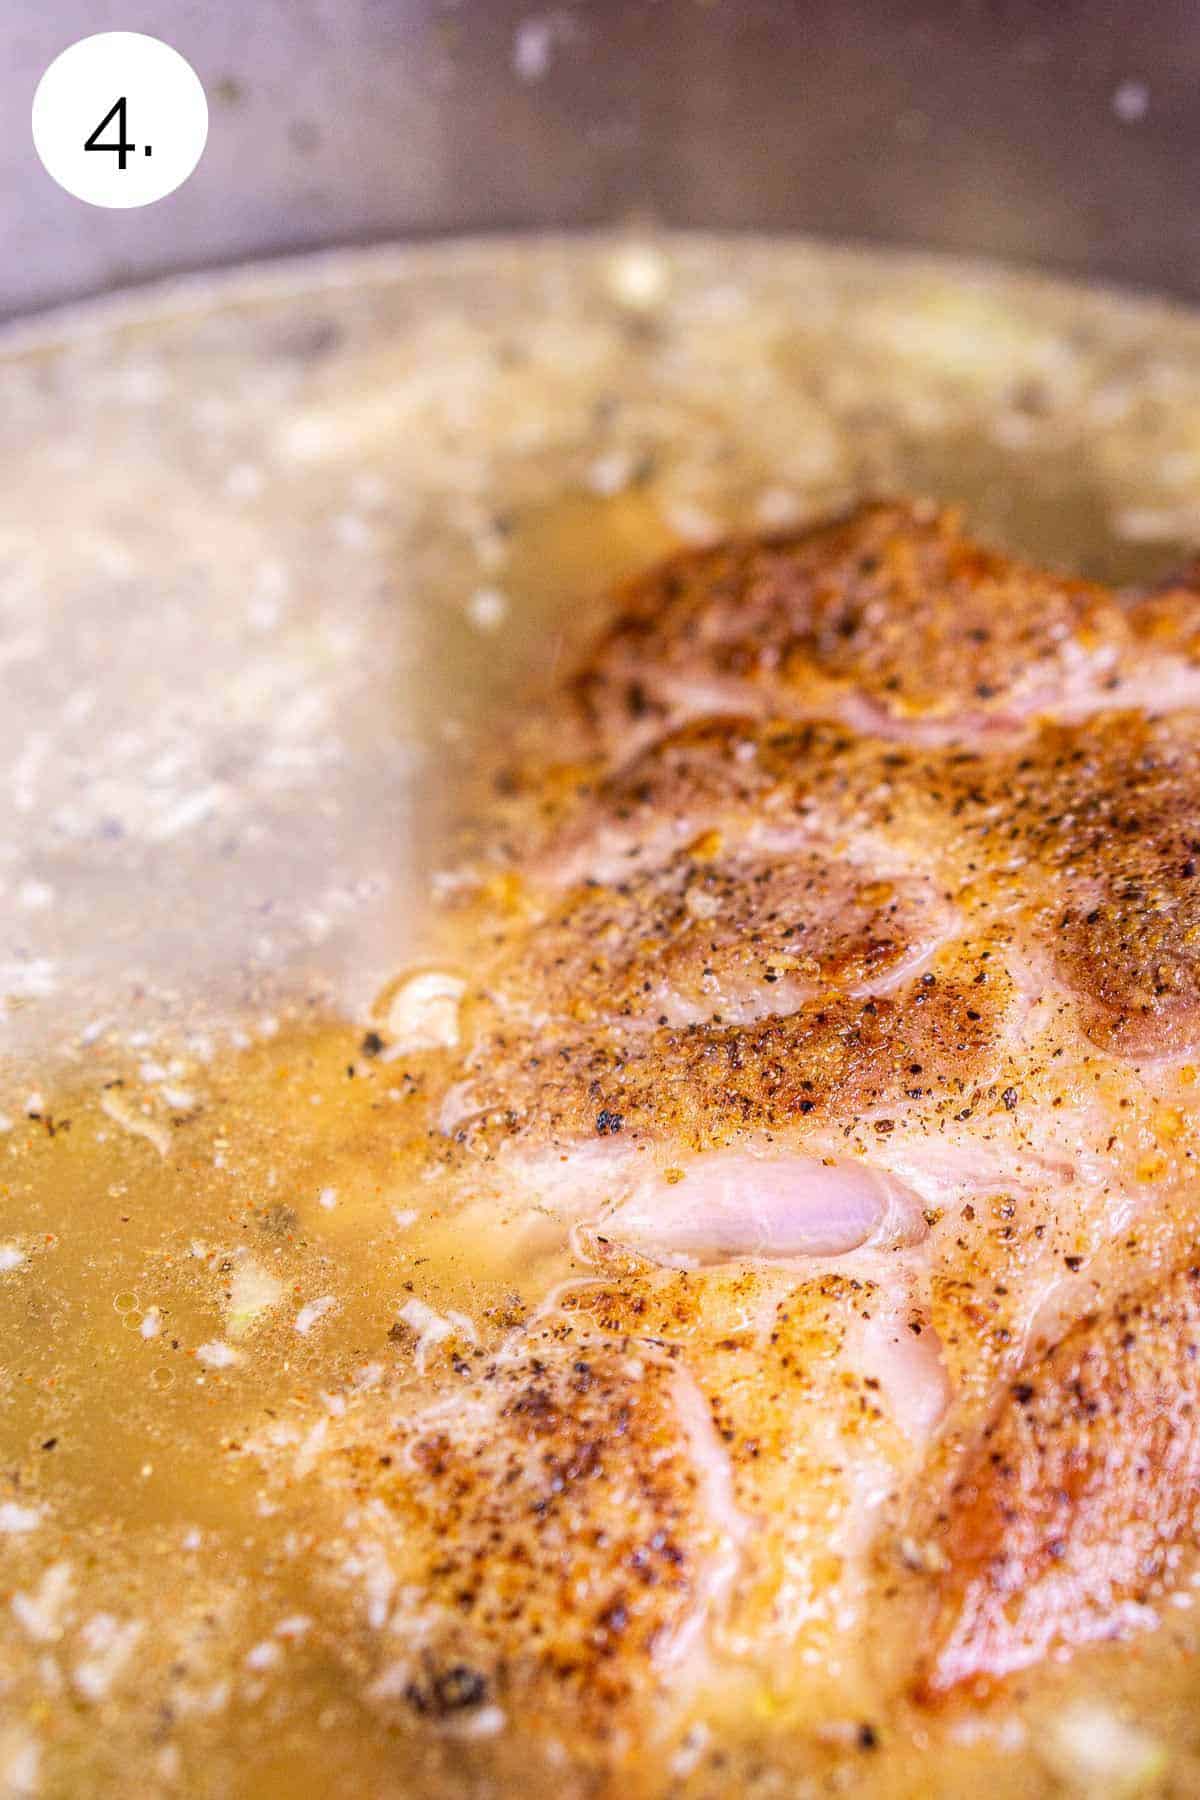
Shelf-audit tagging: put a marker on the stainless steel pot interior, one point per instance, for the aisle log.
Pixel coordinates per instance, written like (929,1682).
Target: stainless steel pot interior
(271,555)
(1062,135)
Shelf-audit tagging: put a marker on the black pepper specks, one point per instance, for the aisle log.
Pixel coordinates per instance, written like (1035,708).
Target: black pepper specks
(452,1690)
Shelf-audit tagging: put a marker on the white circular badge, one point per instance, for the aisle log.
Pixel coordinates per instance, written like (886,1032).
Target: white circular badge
(120,119)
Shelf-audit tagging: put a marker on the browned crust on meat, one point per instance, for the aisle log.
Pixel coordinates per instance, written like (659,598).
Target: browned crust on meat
(705,923)
(892,604)
(555,1528)
(706,1085)
(1066,1521)
(1078,848)
(931,732)
(1119,838)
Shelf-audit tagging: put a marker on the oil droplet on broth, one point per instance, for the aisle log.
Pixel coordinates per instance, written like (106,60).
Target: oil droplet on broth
(427,430)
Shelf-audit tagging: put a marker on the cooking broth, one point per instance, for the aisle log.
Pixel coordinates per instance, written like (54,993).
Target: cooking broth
(276,553)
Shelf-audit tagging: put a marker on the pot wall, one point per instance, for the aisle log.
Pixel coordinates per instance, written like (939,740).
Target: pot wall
(1064,134)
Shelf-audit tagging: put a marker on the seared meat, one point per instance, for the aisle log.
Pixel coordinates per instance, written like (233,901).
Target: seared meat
(832,958)
(890,620)
(1082,1494)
